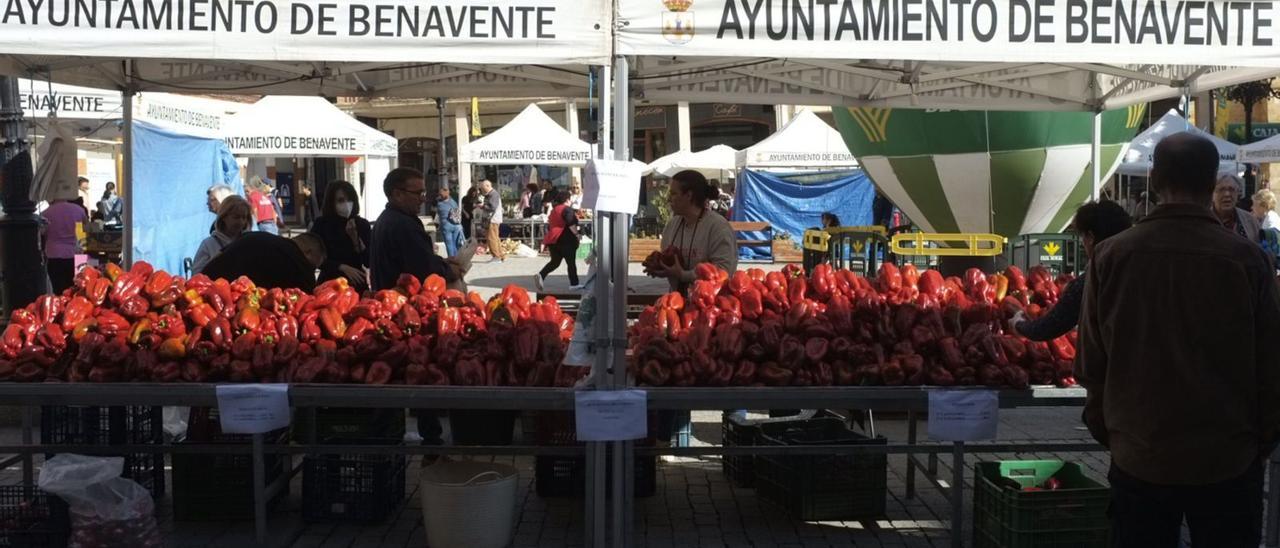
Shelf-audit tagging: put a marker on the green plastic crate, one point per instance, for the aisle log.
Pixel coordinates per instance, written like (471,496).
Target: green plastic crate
(1073,516)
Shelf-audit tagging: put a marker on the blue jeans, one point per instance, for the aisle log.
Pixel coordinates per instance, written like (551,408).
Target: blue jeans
(269,226)
(453,239)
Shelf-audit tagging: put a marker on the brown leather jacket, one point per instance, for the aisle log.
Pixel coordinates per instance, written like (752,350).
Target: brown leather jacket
(1180,349)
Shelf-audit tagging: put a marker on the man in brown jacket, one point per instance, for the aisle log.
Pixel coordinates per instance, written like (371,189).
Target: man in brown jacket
(1180,353)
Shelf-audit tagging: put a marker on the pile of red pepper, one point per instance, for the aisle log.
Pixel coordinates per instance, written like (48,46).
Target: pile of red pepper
(145,325)
(837,328)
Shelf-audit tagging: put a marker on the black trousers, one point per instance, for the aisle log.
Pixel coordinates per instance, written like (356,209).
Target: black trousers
(1220,515)
(564,250)
(62,273)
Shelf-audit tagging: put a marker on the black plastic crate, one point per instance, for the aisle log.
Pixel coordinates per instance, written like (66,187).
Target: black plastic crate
(336,423)
(738,431)
(823,487)
(30,518)
(482,426)
(118,425)
(1005,516)
(559,476)
(219,487)
(360,488)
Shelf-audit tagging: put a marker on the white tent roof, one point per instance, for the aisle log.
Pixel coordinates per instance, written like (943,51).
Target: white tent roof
(531,138)
(303,126)
(1261,152)
(805,142)
(1137,161)
(710,161)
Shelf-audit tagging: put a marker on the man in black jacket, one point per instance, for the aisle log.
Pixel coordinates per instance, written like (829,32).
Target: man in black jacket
(401,245)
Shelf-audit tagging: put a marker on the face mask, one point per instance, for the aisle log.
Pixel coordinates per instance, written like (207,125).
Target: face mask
(344,209)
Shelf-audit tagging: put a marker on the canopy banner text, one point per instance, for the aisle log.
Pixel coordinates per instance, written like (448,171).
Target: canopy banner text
(478,31)
(1105,31)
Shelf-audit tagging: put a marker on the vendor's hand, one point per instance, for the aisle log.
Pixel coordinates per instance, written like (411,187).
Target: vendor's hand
(673,271)
(353,274)
(1015,320)
(458,269)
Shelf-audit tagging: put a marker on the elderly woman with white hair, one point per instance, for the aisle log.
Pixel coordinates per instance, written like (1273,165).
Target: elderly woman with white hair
(1226,194)
(1264,209)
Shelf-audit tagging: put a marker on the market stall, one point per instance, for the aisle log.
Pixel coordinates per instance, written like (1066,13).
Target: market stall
(289,126)
(1137,160)
(717,162)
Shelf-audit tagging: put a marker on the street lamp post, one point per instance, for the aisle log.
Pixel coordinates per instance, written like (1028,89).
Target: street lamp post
(21,263)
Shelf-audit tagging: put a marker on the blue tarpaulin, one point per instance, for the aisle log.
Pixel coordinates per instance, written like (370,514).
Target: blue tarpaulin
(793,203)
(171,174)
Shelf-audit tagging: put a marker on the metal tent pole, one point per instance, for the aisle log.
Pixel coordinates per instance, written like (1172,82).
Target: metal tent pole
(596,516)
(1096,155)
(442,167)
(622,454)
(126,182)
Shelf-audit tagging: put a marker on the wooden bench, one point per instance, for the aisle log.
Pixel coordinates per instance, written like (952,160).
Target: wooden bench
(739,227)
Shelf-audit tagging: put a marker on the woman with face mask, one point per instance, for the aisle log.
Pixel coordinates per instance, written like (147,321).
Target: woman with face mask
(346,236)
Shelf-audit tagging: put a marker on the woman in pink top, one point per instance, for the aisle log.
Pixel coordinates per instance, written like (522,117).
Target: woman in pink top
(60,245)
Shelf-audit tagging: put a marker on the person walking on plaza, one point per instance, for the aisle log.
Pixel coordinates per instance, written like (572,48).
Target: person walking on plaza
(1226,192)
(234,218)
(492,218)
(264,208)
(111,207)
(449,219)
(561,240)
(1095,222)
(345,235)
(401,245)
(83,186)
(60,241)
(697,233)
(1179,349)
(469,203)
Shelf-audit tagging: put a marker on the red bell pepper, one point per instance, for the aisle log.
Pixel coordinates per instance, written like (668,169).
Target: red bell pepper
(76,310)
(287,326)
(157,282)
(434,286)
(1062,349)
(409,320)
(201,314)
(889,278)
(263,361)
(134,307)
(139,331)
(242,347)
(449,321)
(172,349)
(109,323)
(332,323)
(369,309)
(357,330)
(408,285)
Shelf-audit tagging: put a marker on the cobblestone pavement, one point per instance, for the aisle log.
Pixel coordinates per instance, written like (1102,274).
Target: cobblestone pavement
(694,504)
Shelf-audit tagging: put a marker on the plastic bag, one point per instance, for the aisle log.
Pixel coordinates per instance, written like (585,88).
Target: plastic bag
(525,251)
(107,511)
(582,348)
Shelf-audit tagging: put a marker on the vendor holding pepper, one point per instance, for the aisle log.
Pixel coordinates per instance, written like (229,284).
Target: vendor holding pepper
(695,232)
(1095,222)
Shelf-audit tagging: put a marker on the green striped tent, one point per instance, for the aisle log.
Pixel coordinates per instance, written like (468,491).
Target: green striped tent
(1007,173)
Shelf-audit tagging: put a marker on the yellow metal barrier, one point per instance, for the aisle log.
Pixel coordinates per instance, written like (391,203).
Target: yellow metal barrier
(816,240)
(970,245)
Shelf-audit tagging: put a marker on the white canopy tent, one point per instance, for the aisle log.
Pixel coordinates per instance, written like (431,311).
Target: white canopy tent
(531,138)
(711,161)
(288,126)
(806,142)
(1137,161)
(1261,152)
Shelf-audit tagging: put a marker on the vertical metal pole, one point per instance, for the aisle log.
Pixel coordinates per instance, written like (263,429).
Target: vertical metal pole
(596,469)
(126,183)
(443,168)
(911,457)
(957,495)
(1096,155)
(1273,500)
(28,467)
(259,491)
(623,458)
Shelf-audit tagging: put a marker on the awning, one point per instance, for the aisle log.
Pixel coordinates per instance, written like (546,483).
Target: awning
(1137,161)
(805,142)
(710,161)
(531,138)
(303,126)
